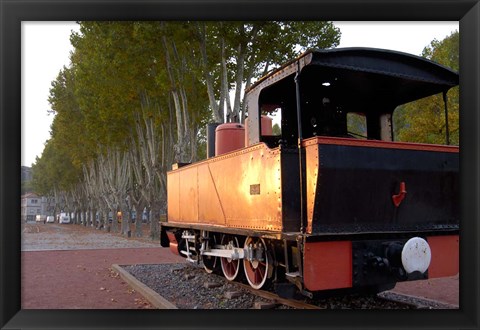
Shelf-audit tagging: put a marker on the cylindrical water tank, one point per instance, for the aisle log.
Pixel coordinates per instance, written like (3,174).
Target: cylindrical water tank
(229,137)
(266,127)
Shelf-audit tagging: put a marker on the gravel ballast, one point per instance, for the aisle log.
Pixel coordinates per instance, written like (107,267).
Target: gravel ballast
(188,286)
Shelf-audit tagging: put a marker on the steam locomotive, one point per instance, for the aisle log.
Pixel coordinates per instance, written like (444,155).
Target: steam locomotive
(320,206)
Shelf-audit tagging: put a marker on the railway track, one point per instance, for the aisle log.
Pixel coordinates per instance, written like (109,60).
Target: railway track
(388,300)
(277,300)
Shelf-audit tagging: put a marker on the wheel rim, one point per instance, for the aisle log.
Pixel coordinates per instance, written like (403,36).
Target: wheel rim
(256,271)
(230,267)
(210,262)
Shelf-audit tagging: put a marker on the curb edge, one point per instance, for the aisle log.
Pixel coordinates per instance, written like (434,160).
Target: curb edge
(153,297)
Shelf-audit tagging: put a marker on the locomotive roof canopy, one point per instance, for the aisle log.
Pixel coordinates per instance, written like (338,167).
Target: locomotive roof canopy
(360,77)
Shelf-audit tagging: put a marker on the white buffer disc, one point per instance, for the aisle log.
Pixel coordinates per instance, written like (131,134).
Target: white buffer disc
(416,255)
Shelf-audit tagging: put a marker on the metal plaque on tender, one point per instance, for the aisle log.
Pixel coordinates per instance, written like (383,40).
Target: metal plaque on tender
(255,189)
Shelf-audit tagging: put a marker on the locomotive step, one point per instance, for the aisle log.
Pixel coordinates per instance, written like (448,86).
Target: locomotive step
(293,274)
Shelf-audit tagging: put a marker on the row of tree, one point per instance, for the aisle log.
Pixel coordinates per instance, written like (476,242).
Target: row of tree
(136,99)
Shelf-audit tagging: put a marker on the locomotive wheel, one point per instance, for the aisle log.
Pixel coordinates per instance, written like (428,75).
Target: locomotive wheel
(230,267)
(210,263)
(256,271)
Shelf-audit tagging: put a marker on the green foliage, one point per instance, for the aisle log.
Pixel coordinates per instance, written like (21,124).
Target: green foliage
(282,41)
(54,170)
(68,127)
(357,125)
(202,142)
(110,72)
(275,42)
(276,130)
(424,120)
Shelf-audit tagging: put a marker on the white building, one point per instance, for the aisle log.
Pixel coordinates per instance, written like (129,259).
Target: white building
(31,205)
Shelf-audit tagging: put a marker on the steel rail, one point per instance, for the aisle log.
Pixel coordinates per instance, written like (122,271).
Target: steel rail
(277,299)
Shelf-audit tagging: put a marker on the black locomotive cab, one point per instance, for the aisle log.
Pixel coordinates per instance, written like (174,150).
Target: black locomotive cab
(337,90)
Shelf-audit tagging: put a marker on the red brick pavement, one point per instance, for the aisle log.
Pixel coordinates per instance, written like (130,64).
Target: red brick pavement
(445,289)
(82,279)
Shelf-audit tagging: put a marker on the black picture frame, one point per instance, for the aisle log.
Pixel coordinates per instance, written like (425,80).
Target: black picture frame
(13,12)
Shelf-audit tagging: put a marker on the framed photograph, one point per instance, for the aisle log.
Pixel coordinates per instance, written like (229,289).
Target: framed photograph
(12,316)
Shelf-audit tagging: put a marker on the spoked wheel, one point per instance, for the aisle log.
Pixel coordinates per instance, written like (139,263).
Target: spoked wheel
(230,267)
(256,270)
(210,263)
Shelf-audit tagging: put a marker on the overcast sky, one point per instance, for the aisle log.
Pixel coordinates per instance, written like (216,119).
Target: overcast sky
(46,49)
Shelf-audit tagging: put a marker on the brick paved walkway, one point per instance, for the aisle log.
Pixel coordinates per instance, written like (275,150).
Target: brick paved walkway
(69,267)
(83,279)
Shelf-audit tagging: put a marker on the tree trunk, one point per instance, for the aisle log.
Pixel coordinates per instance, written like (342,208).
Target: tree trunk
(201,33)
(154,223)
(93,217)
(114,224)
(99,223)
(105,223)
(238,82)
(134,209)
(75,216)
(125,209)
(139,221)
